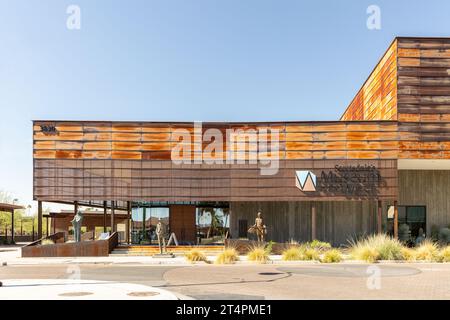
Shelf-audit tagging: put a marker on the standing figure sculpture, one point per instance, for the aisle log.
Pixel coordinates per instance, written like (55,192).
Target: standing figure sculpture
(76,223)
(160,233)
(259,228)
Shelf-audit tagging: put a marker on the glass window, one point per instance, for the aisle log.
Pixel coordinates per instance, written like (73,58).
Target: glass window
(144,219)
(414,217)
(213,224)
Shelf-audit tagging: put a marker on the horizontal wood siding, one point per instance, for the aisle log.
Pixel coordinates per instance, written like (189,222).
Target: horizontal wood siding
(336,222)
(377,99)
(428,188)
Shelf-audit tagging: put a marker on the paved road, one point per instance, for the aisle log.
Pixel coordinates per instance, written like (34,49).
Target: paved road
(242,282)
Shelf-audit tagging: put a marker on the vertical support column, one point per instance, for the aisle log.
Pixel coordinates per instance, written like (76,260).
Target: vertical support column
(395,220)
(144,237)
(105,210)
(313,221)
(12,226)
(46,226)
(113,224)
(127,227)
(39,231)
(379,217)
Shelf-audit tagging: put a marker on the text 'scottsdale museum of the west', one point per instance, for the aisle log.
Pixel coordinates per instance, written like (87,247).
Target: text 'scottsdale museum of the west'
(385,163)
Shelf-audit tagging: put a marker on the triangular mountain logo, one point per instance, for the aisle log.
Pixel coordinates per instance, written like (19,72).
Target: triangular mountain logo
(305,180)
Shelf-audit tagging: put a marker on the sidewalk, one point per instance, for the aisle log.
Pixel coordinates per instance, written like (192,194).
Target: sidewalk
(63,289)
(13,257)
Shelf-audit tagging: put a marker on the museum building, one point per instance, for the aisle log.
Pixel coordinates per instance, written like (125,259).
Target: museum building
(384,165)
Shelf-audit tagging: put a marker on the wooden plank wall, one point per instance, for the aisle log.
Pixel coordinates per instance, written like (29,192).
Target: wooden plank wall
(424,98)
(377,99)
(428,188)
(337,221)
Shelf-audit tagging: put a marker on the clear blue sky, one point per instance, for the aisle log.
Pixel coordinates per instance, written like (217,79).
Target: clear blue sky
(230,60)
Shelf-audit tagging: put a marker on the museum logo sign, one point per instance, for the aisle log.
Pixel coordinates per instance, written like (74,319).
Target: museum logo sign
(349,180)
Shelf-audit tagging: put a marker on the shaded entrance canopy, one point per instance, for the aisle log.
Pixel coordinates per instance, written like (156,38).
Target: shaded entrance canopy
(7,207)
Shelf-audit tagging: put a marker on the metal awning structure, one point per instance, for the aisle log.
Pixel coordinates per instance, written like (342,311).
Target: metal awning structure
(7,207)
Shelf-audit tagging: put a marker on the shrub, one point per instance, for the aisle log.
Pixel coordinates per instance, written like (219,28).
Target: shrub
(269,247)
(258,254)
(434,232)
(195,255)
(332,256)
(319,245)
(428,251)
(445,254)
(47,241)
(227,256)
(408,254)
(292,254)
(377,247)
(444,235)
(311,254)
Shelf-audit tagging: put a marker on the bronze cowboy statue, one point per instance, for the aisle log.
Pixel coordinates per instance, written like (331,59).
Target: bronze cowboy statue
(259,228)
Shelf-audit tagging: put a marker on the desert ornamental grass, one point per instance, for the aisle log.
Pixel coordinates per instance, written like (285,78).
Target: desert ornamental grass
(258,254)
(332,256)
(445,254)
(195,255)
(428,251)
(227,256)
(377,247)
(292,254)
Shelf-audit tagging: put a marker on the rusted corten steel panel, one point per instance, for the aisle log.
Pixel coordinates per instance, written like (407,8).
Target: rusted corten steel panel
(377,99)
(155,141)
(424,98)
(75,161)
(422,101)
(161,180)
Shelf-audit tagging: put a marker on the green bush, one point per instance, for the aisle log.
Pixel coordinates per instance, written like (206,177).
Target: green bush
(319,245)
(444,236)
(269,247)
